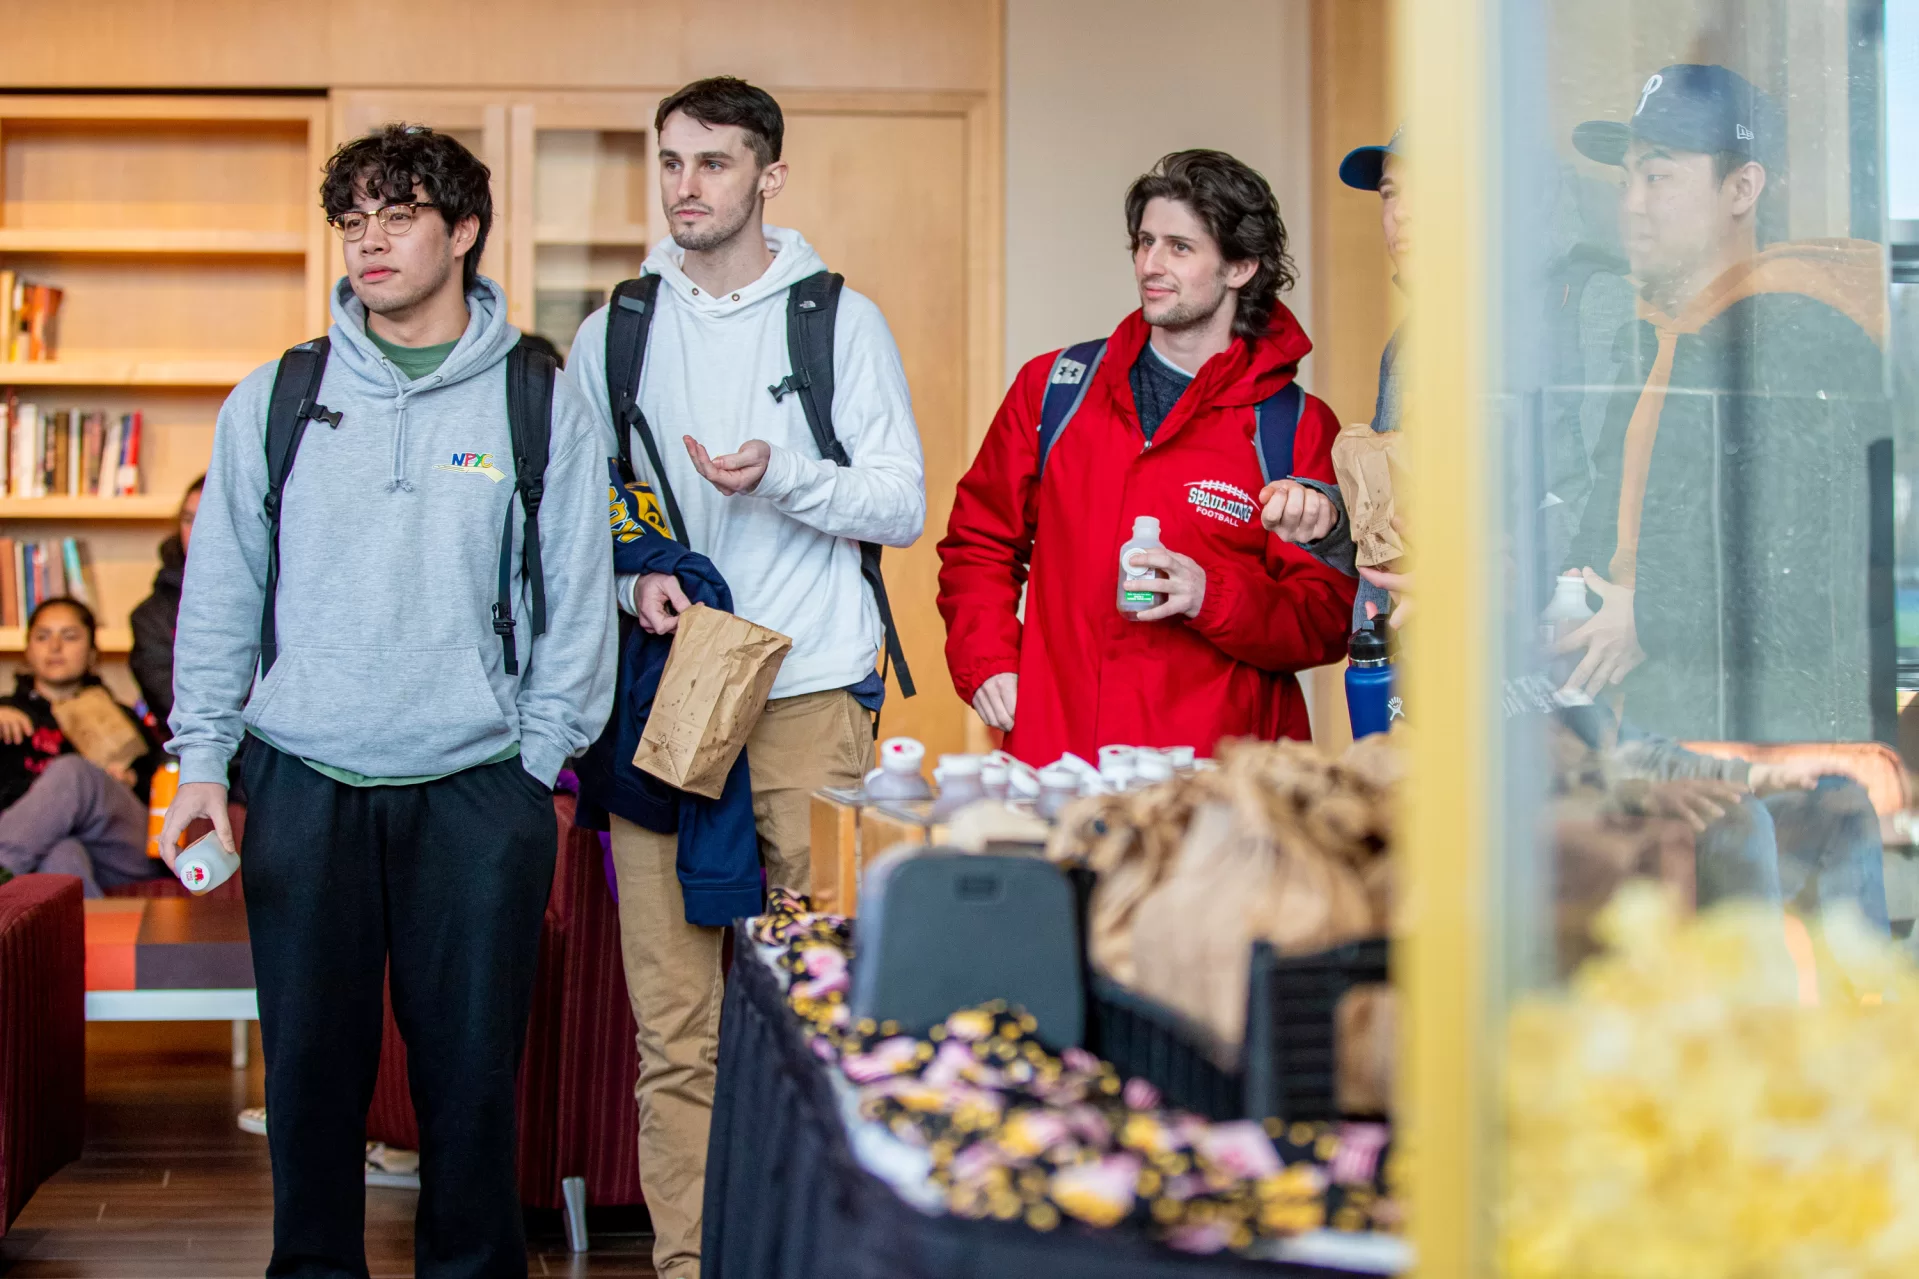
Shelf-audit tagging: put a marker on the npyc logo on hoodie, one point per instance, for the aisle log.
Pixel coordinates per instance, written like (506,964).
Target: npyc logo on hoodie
(474,464)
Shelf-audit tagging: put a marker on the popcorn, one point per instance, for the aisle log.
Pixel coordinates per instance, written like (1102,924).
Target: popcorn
(1681,1111)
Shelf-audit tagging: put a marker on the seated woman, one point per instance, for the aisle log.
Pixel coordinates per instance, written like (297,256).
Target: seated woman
(63,814)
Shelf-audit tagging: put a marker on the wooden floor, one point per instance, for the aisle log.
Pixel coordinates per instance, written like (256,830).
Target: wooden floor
(170,1188)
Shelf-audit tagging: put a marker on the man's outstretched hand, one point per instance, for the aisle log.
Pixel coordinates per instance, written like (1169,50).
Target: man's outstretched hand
(195,799)
(731,473)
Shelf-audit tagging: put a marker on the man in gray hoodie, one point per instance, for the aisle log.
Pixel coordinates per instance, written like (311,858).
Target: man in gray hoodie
(400,777)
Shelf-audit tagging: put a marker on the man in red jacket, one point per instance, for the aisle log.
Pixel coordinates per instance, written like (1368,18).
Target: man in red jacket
(1165,427)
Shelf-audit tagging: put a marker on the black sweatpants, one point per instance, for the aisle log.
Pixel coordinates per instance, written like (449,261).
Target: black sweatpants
(446,882)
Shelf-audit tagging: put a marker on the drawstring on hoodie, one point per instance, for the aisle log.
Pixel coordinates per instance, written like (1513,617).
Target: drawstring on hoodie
(400,483)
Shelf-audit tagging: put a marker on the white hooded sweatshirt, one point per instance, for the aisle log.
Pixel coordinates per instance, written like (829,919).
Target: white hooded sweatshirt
(789,549)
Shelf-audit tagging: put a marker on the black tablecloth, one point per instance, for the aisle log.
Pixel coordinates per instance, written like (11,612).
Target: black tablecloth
(786,1199)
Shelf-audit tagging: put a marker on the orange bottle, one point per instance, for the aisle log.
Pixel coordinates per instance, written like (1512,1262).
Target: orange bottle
(166,784)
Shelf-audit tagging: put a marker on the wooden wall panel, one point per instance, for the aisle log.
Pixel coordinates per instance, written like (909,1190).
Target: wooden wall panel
(883,199)
(1352,279)
(1353,303)
(824,44)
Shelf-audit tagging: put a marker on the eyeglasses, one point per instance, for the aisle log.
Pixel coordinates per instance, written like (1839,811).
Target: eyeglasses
(395,219)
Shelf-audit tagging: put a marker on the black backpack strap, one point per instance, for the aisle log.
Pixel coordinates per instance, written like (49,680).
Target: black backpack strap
(629,319)
(529,420)
(293,403)
(812,306)
(1066,387)
(1278,424)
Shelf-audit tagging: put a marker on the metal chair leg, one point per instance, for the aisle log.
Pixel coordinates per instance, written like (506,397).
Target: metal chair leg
(573,1189)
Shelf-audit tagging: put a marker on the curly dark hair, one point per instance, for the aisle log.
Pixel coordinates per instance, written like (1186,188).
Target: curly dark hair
(725,99)
(389,162)
(1239,210)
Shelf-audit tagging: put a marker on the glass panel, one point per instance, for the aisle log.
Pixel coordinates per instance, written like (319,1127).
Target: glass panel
(1695,587)
(591,189)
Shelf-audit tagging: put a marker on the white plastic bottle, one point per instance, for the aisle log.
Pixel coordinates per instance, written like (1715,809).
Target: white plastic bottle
(1568,610)
(1058,787)
(1150,768)
(898,776)
(995,779)
(961,782)
(1145,538)
(205,864)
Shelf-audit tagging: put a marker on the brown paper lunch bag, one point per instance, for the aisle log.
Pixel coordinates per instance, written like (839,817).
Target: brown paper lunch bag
(711,693)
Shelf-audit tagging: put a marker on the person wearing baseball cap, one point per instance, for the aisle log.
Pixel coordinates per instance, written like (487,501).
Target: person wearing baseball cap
(1725,535)
(1311,514)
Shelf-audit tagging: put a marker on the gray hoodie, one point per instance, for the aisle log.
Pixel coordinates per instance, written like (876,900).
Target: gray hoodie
(389,569)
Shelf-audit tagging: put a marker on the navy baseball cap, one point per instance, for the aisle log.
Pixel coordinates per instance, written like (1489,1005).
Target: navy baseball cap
(1690,107)
(1362,167)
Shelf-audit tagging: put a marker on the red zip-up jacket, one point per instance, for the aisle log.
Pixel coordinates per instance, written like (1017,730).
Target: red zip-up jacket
(1089,675)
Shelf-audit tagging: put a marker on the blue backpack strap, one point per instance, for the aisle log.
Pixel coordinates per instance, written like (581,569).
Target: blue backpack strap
(1072,373)
(1278,417)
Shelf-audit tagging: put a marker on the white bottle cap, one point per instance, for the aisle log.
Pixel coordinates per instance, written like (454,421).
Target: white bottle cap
(1108,754)
(1022,780)
(1151,766)
(994,774)
(901,755)
(195,874)
(1145,526)
(959,766)
(1059,777)
(1182,756)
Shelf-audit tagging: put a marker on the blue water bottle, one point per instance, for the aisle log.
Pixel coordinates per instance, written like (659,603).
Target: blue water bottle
(1370,701)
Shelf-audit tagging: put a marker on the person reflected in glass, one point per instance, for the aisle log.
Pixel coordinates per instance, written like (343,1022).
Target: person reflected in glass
(1724,541)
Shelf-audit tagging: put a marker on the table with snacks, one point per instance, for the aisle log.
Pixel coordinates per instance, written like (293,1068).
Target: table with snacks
(800,1183)
(846,1146)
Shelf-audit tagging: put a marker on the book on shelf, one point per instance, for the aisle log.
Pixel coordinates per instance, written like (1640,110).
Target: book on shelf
(27,314)
(9,585)
(45,570)
(33,313)
(68,453)
(53,459)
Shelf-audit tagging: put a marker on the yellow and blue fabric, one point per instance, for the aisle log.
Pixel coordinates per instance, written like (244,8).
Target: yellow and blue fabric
(718,858)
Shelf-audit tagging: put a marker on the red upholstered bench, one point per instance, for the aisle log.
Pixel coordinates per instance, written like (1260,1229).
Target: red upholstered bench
(43,1034)
(577,1113)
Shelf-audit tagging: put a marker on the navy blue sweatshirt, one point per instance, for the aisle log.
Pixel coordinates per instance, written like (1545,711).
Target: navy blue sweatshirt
(718,849)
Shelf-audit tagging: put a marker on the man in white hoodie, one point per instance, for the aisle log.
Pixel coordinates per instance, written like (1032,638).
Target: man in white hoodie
(783,526)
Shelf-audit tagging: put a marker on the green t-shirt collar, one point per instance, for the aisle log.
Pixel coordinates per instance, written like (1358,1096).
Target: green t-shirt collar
(414,361)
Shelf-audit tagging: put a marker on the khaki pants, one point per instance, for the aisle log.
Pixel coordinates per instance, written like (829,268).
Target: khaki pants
(673,968)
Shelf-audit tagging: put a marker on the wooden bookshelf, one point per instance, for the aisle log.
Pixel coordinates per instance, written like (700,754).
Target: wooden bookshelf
(139,241)
(145,508)
(134,371)
(186,237)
